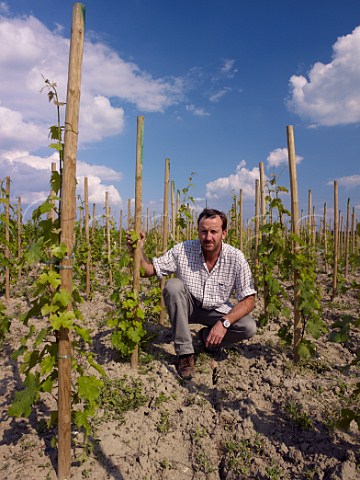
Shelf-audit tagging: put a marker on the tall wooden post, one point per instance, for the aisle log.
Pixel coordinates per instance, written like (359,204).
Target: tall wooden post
(120,229)
(296,231)
(309,218)
(241,219)
(93,222)
(129,220)
(165,230)
(7,239)
(256,237)
(87,237)
(325,240)
(336,239)
(19,228)
(108,236)
(347,239)
(173,212)
(134,360)
(68,216)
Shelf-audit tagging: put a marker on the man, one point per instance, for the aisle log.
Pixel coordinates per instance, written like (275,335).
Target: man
(207,272)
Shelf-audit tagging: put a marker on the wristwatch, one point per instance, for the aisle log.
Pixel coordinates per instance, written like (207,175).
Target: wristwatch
(226,323)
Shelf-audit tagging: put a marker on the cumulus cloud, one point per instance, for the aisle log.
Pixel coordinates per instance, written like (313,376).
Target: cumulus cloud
(243,178)
(331,93)
(279,157)
(30,173)
(348,182)
(30,50)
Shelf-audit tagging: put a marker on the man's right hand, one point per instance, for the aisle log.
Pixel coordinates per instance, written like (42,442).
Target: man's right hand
(133,240)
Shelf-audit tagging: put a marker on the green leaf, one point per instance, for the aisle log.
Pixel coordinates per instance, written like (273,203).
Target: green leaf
(89,387)
(47,364)
(62,297)
(35,252)
(51,277)
(47,385)
(59,251)
(64,320)
(23,401)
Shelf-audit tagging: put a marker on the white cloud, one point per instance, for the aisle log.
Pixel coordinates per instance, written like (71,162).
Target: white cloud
(243,178)
(279,156)
(30,173)
(197,110)
(228,69)
(331,94)
(29,50)
(215,97)
(350,181)
(15,131)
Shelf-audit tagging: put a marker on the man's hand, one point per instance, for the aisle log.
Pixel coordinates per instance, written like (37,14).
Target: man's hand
(216,335)
(133,240)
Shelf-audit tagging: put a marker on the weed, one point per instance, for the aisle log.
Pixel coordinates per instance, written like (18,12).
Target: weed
(274,472)
(161,399)
(164,425)
(119,396)
(302,420)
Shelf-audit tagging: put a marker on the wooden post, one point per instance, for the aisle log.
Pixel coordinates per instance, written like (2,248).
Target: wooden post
(309,217)
(353,233)
(296,231)
(120,229)
(68,216)
(173,212)
(262,193)
(52,194)
(19,229)
(108,236)
(241,219)
(93,221)
(325,240)
(129,220)
(256,245)
(134,361)
(336,238)
(165,231)
(87,237)
(7,239)
(347,239)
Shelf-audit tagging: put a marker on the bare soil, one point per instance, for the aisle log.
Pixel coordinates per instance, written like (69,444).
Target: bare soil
(264,418)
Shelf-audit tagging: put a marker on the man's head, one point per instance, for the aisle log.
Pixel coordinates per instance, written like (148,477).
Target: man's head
(210,213)
(212,226)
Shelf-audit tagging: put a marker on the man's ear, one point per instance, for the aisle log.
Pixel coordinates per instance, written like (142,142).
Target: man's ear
(224,232)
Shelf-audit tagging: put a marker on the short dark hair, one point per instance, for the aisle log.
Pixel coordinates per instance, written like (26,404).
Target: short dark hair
(212,212)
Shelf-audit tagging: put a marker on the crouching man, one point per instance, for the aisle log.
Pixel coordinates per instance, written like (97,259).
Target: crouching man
(207,272)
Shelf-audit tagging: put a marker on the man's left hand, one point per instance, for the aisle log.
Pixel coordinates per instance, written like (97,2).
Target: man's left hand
(216,335)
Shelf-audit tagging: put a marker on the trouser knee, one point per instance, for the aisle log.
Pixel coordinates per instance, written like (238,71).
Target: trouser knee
(172,288)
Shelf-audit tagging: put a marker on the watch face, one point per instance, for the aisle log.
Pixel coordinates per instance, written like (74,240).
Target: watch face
(226,323)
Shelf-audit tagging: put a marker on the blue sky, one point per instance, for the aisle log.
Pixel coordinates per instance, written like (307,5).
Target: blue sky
(217,83)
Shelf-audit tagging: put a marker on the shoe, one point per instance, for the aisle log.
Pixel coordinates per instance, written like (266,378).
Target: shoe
(186,366)
(204,332)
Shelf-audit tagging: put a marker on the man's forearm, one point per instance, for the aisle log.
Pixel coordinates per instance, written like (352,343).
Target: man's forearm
(147,267)
(242,308)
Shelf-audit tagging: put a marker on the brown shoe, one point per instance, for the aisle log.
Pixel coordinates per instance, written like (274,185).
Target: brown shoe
(186,366)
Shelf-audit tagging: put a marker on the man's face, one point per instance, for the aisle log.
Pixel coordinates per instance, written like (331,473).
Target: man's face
(211,234)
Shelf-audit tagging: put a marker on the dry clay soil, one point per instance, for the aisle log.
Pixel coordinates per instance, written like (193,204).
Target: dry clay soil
(264,418)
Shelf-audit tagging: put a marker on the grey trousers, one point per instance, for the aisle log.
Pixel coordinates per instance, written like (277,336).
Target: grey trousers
(183,310)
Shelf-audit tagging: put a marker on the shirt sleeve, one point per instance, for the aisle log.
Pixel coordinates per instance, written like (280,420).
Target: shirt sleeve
(166,264)
(244,283)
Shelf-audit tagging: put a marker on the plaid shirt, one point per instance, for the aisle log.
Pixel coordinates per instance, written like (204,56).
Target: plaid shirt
(211,289)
